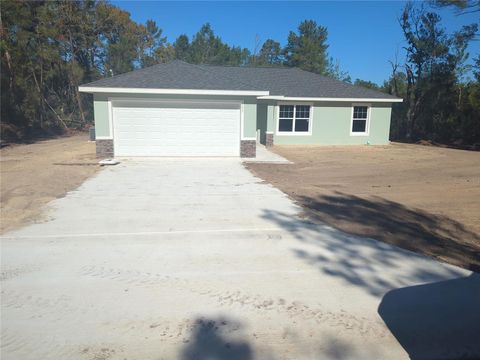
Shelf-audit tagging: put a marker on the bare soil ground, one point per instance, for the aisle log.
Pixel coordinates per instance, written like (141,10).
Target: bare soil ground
(424,199)
(34,174)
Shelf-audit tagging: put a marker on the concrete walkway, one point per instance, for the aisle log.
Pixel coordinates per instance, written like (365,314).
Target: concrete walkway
(198,259)
(264,155)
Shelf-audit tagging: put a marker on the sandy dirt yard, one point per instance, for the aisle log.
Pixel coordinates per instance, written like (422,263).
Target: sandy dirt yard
(425,199)
(32,175)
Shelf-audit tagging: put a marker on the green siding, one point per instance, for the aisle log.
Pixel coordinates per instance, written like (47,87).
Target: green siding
(331,126)
(331,120)
(250,118)
(271,118)
(102,125)
(262,113)
(100,111)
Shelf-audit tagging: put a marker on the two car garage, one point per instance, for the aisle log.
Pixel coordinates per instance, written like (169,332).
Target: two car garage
(175,128)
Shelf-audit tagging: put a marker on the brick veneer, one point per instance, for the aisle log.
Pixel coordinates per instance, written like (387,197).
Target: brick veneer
(269,139)
(104,148)
(248,148)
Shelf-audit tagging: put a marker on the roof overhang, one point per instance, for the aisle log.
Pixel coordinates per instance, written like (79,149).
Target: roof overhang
(289,98)
(117,90)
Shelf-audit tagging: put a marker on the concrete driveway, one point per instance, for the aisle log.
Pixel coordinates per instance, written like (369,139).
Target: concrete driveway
(198,259)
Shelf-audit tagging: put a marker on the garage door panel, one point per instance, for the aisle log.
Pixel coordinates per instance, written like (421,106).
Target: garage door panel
(210,129)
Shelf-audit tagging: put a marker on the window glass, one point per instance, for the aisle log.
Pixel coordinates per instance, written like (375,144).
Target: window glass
(359,126)
(360,112)
(301,125)
(294,118)
(285,125)
(302,111)
(286,111)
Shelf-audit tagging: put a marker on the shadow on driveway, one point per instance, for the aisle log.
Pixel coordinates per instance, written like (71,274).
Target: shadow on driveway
(393,223)
(436,321)
(217,339)
(368,264)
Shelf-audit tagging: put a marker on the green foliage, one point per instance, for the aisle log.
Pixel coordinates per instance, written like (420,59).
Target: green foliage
(207,48)
(270,53)
(154,48)
(49,48)
(308,49)
(461,6)
(366,84)
(182,48)
(334,71)
(435,101)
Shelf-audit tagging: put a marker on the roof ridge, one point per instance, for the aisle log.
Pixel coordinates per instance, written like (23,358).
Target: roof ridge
(129,72)
(350,85)
(228,77)
(126,73)
(281,67)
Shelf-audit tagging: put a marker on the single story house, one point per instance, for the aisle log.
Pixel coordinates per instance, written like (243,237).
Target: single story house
(181,109)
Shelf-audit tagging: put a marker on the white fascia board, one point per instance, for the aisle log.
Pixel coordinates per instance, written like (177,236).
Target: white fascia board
(286,98)
(115,90)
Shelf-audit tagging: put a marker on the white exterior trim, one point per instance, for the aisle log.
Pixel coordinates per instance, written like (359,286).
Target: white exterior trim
(242,119)
(367,124)
(181,101)
(287,98)
(115,90)
(110,118)
(293,133)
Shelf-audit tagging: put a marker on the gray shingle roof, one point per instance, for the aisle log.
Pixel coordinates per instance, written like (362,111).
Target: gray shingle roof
(290,82)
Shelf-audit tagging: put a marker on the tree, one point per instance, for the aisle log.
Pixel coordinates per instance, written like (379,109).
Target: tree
(124,41)
(48,48)
(461,6)
(308,49)
(334,71)
(207,48)
(182,48)
(366,84)
(204,46)
(153,44)
(433,60)
(270,53)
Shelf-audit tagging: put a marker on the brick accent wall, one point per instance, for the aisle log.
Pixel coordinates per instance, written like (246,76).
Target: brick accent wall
(248,148)
(104,148)
(268,139)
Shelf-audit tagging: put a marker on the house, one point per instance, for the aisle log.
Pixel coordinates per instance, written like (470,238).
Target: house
(181,109)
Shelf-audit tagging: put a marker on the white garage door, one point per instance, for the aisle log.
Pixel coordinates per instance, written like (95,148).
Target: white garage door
(176,128)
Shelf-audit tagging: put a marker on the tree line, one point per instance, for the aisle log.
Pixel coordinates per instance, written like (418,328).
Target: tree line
(48,48)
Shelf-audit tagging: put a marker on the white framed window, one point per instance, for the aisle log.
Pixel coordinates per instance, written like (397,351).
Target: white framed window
(294,119)
(360,125)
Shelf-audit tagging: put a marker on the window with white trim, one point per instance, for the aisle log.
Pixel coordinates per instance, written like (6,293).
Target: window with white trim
(360,120)
(294,119)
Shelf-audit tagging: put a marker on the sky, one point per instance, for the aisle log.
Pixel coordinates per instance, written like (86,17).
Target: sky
(362,36)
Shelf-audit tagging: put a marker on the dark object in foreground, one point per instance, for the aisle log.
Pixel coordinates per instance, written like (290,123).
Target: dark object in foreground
(436,321)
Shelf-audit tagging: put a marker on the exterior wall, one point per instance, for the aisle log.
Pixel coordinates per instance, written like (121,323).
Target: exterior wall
(266,121)
(102,119)
(332,124)
(249,118)
(262,122)
(100,112)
